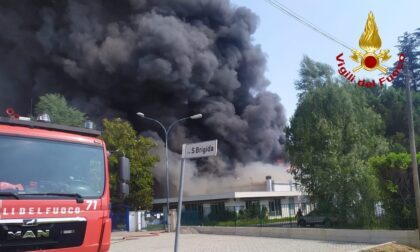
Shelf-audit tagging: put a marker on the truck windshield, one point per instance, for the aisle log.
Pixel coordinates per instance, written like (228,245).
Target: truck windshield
(36,166)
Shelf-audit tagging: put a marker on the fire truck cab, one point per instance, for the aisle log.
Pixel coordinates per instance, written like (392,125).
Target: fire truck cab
(54,188)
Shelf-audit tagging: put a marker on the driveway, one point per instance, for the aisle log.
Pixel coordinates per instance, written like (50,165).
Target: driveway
(163,242)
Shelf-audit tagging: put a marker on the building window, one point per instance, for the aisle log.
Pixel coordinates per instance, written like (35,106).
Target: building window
(271,206)
(251,204)
(292,206)
(275,207)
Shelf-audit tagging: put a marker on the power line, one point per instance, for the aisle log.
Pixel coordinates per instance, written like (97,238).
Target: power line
(302,20)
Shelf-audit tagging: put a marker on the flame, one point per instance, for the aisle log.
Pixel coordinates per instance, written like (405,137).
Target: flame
(370,40)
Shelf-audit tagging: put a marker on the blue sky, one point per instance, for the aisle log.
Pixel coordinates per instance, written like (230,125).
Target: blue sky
(285,40)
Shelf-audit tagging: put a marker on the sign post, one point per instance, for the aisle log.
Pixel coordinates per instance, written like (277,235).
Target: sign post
(190,151)
(178,219)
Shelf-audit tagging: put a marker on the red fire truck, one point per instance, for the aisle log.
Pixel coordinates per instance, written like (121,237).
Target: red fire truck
(54,187)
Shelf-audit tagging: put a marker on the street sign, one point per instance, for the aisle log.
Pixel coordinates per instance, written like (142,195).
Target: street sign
(194,150)
(197,150)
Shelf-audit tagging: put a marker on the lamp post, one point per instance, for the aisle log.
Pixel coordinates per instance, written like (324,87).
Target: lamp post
(167,131)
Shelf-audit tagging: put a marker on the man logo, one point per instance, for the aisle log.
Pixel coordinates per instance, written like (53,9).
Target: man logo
(30,222)
(29,234)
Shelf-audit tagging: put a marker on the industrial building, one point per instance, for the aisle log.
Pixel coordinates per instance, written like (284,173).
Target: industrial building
(280,200)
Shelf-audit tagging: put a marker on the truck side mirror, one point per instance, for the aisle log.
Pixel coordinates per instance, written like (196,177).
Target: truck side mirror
(124,169)
(124,174)
(123,189)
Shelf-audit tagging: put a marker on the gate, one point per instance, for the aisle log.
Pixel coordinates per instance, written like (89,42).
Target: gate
(119,216)
(154,221)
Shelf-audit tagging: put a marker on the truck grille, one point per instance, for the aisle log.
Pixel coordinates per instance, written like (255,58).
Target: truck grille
(36,234)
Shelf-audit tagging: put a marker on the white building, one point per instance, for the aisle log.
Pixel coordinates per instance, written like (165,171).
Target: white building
(280,200)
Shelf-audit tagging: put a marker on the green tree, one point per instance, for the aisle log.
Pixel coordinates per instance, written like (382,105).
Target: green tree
(122,139)
(55,105)
(391,103)
(312,75)
(330,138)
(393,170)
(409,44)
(396,187)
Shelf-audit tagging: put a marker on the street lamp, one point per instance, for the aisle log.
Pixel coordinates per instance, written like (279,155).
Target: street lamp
(166,131)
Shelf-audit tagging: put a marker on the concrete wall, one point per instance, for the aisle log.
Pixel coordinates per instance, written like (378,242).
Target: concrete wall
(407,237)
(282,188)
(172,220)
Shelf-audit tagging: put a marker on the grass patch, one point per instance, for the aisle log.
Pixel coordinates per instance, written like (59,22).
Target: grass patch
(155,227)
(394,247)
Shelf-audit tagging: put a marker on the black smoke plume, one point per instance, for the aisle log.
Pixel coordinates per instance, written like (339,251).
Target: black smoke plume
(166,58)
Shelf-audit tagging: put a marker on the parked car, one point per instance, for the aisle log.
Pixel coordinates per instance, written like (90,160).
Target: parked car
(316,218)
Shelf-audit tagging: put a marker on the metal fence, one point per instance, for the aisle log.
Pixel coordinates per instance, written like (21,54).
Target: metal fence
(119,216)
(396,214)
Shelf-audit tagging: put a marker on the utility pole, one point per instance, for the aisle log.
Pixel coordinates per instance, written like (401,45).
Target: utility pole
(414,166)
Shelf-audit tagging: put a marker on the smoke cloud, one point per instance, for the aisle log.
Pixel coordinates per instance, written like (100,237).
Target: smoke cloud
(244,177)
(168,59)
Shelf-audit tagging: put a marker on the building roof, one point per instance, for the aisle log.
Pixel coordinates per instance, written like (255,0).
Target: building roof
(230,195)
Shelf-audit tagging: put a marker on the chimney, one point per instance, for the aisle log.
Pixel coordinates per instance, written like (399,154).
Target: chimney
(268,184)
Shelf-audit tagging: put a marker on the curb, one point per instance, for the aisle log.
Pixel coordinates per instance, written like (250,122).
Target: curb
(131,237)
(134,236)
